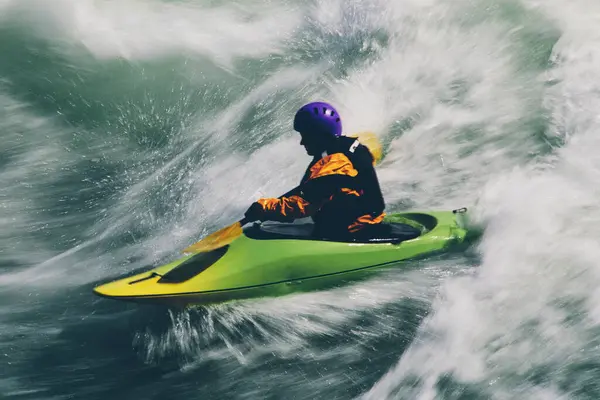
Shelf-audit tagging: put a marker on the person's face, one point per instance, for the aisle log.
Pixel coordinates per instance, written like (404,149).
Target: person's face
(312,143)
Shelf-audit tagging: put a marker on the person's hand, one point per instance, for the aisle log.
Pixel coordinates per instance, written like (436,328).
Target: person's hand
(254,212)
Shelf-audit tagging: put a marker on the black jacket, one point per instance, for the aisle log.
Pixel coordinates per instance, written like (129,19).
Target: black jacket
(339,190)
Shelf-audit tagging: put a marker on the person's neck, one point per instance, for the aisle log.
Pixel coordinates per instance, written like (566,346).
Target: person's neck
(330,146)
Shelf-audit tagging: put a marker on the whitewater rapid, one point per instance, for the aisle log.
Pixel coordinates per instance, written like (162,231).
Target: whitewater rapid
(132,128)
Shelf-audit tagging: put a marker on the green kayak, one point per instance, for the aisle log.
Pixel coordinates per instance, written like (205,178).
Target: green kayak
(278,259)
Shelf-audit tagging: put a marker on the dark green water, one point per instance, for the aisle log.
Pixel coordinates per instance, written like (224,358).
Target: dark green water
(130,129)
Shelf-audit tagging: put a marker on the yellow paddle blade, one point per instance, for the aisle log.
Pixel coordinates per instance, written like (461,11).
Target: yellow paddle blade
(370,140)
(217,239)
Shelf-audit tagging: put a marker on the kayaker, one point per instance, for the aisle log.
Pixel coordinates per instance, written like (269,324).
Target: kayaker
(339,190)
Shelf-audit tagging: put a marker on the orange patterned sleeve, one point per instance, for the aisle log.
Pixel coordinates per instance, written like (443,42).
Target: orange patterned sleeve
(285,208)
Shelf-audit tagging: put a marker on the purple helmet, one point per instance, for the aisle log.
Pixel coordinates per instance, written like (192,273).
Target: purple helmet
(318,117)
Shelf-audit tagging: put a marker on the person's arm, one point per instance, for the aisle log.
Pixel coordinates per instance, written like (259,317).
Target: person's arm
(327,176)
(283,209)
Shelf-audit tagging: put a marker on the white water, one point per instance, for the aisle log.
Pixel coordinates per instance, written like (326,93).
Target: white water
(533,302)
(463,79)
(138,30)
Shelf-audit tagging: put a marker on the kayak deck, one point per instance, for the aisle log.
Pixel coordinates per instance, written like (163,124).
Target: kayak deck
(395,233)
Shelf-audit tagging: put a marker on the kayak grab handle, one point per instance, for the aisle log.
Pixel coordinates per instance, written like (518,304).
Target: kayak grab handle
(461,218)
